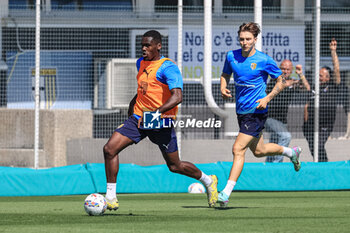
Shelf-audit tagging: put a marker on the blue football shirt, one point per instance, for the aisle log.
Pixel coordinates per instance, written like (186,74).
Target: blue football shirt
(168,73)
(250,75)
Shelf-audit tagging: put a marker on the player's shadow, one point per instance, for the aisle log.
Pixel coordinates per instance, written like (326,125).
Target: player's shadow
(130,215)
(230,208)
(217,208)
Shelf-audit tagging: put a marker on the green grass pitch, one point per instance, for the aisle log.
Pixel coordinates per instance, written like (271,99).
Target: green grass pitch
(247,212)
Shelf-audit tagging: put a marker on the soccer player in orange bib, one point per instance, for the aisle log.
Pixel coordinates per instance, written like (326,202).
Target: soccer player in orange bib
(158,94)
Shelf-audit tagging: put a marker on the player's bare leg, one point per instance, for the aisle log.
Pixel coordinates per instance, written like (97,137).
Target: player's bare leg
(260,149)
(114,146)
(182,167)
(239,148)
(189,169)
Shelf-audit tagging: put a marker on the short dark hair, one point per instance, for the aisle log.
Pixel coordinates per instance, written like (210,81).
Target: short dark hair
(156,36)
(250,27)
(329,71)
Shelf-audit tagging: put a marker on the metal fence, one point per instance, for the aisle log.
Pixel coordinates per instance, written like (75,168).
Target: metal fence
(88,54)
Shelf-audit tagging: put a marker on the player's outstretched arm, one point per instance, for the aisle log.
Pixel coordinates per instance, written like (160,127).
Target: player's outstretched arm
(224,81)
(173,101)
(335,61)
(279,86)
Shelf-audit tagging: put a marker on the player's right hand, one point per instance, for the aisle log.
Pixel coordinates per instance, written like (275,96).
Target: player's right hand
(226,93)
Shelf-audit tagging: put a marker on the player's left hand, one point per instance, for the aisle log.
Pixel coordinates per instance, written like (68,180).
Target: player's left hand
(262,104)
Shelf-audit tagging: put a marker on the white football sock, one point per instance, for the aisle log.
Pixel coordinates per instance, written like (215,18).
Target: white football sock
(288,152)
(111,191)
(229,187)
(205,179)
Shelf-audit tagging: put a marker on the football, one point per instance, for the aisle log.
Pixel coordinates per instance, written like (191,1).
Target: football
(196,188)
(95,204)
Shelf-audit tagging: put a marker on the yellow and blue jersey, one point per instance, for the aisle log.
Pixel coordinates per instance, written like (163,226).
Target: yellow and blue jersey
(250,76)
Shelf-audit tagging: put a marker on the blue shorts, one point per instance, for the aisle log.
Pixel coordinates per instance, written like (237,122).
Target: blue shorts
(164,138)
(252,123)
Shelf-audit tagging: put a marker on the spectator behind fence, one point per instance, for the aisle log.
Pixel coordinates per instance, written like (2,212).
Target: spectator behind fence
(276,123)
(329,89)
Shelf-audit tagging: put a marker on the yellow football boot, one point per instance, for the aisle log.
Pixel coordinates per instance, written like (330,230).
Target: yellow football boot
(212,191)
(112,204)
